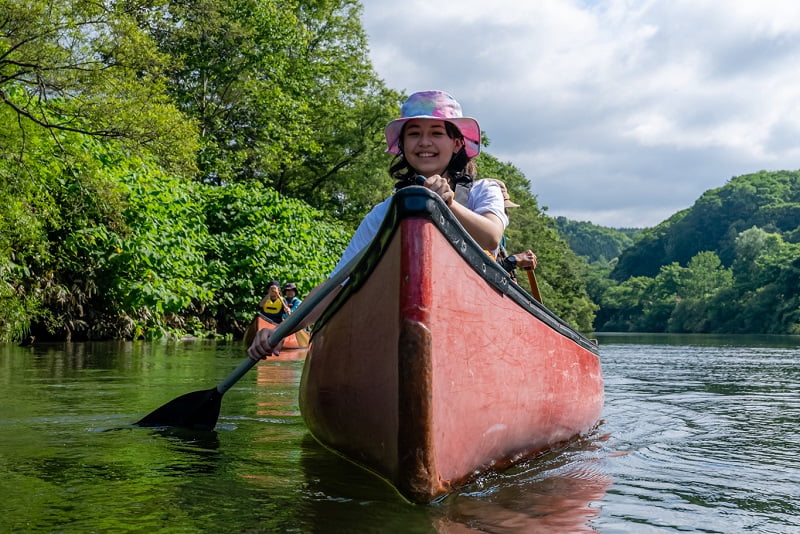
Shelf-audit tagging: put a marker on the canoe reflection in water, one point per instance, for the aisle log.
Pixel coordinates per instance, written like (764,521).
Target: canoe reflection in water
(274,375)
(556,492)
(541,496)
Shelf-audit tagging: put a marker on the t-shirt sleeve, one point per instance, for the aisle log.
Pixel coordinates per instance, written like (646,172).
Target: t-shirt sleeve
(364,234)
(485,196)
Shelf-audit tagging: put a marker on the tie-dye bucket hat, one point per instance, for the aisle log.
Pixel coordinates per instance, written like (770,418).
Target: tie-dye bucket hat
(434,105)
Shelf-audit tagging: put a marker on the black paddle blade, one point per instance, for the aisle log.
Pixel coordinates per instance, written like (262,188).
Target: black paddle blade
(198,410)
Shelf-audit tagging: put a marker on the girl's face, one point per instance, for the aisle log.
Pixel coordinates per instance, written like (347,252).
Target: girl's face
(273,292)
(427,147)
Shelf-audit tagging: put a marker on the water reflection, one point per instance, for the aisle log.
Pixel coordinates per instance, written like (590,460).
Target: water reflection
(563,502)
(698,340)
(277,380)
(556,492)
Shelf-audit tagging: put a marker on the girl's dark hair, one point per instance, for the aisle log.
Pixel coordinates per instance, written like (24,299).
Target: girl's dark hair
(461,169)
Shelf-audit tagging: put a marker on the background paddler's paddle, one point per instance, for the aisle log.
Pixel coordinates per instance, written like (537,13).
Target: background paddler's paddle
(534,285)
(302,336)
(199,410)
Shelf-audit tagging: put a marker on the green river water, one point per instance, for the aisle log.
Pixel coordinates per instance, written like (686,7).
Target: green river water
(699,434)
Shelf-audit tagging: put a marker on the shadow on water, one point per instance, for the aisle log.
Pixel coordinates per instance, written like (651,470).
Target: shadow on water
(203,444)
(195,451)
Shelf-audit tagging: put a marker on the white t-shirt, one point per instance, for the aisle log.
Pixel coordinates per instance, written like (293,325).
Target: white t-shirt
(485,196)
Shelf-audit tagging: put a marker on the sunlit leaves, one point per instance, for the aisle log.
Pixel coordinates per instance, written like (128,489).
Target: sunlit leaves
(84,66)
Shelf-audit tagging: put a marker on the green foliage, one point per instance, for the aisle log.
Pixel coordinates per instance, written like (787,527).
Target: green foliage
(153,274)
(675,300)
(284,94)
(53,184)
(621,305)
(769,200)
(257,236)
(739,247)
(82,66)
(100,260)
(107,228)
(99,243)
(766,293)
(758,294)
(560,274)
(596,243)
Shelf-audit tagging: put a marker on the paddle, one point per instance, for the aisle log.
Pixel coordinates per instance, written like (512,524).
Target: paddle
(534,285)
(199,410)
(301,335)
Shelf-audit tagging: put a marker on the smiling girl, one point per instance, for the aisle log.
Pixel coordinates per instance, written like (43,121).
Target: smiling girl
(433,139)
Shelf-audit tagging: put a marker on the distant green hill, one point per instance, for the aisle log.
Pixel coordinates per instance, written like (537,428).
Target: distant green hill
(767,200)
(596,243)
(728,264)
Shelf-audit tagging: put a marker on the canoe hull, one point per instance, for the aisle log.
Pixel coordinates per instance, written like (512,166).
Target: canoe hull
(428,375)
(298,340)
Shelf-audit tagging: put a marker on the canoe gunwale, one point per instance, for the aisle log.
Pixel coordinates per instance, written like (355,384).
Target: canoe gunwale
(420,202)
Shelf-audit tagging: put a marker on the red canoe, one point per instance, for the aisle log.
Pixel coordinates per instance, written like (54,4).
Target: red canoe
(298,340)
(431,366)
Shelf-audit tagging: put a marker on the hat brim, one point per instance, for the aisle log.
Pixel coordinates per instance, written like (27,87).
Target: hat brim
(509,204)
(468,127)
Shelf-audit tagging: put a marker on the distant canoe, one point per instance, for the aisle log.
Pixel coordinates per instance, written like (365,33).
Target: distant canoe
(431,366)
(297,341)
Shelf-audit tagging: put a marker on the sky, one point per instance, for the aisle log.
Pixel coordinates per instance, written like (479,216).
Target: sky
(619,112)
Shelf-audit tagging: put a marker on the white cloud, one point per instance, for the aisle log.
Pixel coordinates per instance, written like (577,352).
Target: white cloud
(621,112)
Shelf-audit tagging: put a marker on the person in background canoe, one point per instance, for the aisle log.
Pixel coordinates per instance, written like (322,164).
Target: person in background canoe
(522,260)
(273,306)
(432,139)
(290,295)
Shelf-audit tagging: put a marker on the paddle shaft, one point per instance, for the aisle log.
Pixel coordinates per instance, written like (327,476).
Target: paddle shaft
(534,285)
(292,323)
(200,409)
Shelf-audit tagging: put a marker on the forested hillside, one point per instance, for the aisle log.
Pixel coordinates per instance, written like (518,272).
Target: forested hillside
(593,242)
(766,200)
(161,161)
(729,263)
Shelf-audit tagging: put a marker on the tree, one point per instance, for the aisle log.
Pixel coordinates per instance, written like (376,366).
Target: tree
(596,243)
(769,200)
(560,273)
(703,277)
(284,94)
(622,304)
(84,67)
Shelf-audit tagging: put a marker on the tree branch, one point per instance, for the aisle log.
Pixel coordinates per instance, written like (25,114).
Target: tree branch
(47,124)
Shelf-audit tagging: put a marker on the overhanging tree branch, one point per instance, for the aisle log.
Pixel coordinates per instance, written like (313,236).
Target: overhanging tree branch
(53,126)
